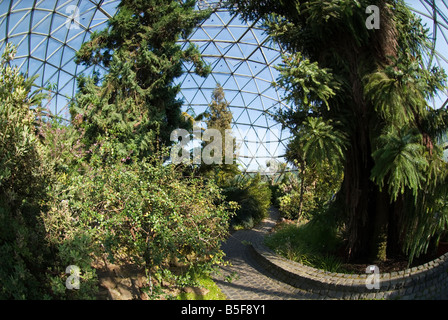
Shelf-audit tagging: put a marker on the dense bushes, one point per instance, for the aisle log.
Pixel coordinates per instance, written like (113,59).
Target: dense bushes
(65,204)
(308,192)
(137,211)
(149,214)
(253,197)
(22,183)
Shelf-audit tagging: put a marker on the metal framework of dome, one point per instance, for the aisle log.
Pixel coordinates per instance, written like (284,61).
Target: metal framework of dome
(47,34)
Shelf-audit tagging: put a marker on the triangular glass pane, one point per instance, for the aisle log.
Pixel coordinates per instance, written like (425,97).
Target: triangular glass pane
(22,46)
(99,19)
(75,38)
(221,78)
(263,85)
(189,94)
(21,63)
(64,91)
(259,119)
(45,4)
(214,50)
(22,4)
(235,52)
(237,31)
(224,16)
(69,64)
(247,49)
(237,100)
(41,21)
(250,99)
(257,55)
(271,55)
(67,55)
(50,74)
(213,20)
(66,80)
(255,67)
(200,35)
(192,81)
(35,67)
(38,46)
(60,21)
(264,72)
(268,103)
(223,45)
(59,33)
(14,21)
(110,8)
(238,114)
(212,32)
(23,25)
(221,67)
(259,34)
(4,8)
(248,37)
(242,81)
(53,48)
(231,85)
(225,35)
(244,70)
(3,27)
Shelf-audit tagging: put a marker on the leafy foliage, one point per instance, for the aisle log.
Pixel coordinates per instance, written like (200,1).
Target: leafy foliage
(401,158)
(253,197)
(360,100)
(220,118)
(310,244)
(307,193)
(147,214)
(99,187)
(135,103)
(22,181)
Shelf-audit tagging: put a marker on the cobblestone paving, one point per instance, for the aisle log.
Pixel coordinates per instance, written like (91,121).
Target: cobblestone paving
(243,278)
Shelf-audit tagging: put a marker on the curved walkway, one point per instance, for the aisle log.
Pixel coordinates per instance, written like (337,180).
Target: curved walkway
(243,278)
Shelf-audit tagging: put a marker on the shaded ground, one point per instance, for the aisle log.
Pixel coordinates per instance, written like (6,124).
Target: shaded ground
(244,279)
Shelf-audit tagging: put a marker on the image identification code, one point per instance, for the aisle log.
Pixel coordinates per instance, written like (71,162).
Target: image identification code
(230,309)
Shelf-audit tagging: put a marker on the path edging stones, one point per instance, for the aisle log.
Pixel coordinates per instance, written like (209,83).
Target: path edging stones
(427,281)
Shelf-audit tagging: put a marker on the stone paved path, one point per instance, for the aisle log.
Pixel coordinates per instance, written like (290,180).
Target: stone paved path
(248,280)
(244,279)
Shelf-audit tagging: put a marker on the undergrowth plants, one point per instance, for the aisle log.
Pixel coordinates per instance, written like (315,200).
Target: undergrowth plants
(66,203)
(308,243)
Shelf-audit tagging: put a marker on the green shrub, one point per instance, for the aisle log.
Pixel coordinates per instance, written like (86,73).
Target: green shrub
(314,244)
(23,180)
(253,197)
(149,214)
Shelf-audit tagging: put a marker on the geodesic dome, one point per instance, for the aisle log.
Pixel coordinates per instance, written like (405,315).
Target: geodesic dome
(49,32)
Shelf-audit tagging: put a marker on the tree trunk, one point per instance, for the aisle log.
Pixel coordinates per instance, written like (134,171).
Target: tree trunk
(367,208)
(380,224)
(302,190)
(357,191)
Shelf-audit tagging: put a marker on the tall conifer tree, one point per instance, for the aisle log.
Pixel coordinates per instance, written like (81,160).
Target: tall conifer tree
(220,118)
(135,102)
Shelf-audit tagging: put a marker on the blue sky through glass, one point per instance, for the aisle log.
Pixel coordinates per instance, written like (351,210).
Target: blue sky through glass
(48,33)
